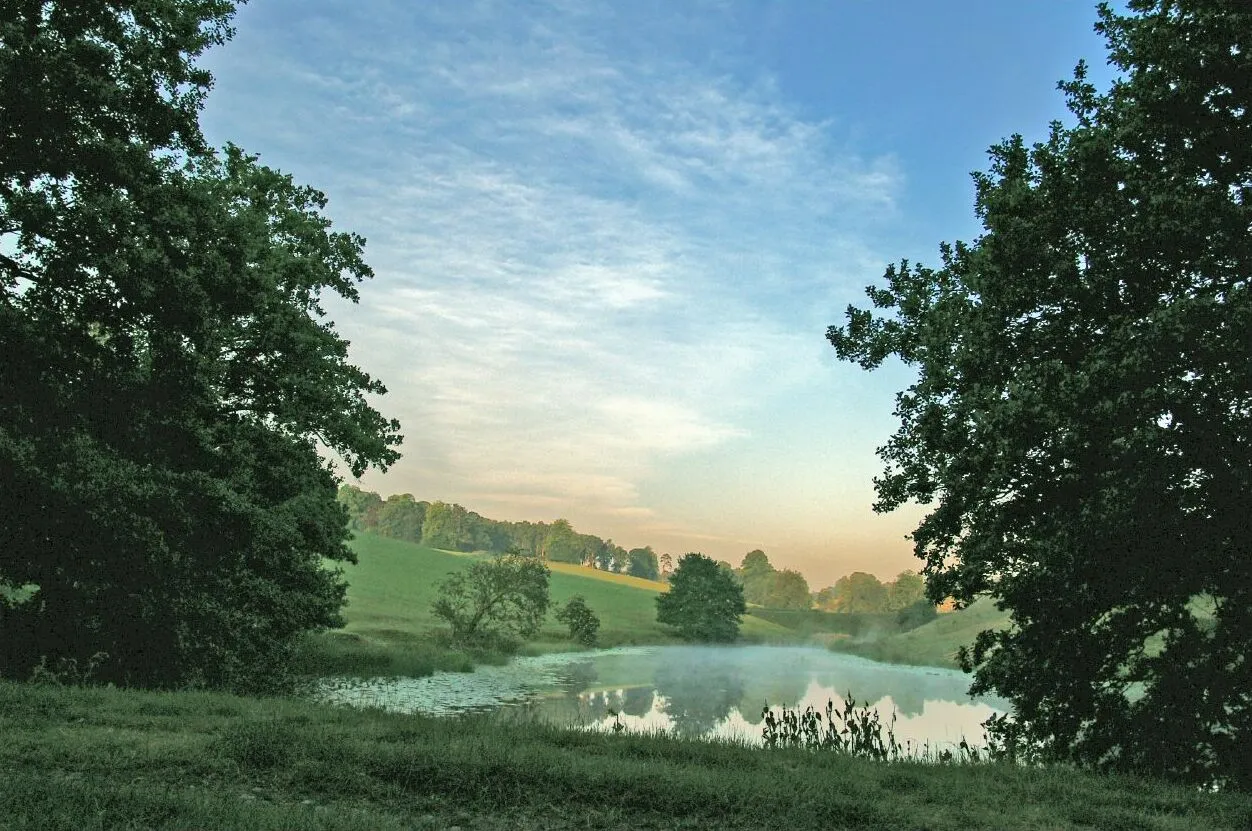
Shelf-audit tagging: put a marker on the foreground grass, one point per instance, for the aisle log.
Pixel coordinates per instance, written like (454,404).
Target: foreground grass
(390,628)
(932,644)
(77,758)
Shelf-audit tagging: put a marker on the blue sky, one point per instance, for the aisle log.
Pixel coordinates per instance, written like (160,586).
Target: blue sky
(609,237)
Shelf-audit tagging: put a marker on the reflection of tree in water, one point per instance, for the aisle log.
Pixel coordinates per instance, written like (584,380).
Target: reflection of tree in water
(598,705)
(908,687)
(781,689)
(699,690)
(577,676)
(637,701)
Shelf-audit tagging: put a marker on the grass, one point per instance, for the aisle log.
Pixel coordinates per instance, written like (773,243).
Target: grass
(93,758)
(932,644)
(390,628)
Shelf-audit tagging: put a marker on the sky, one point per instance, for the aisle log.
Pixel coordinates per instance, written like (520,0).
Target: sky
(609,237)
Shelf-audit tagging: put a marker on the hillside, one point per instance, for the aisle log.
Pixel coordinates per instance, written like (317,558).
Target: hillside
(932,644)
(391,588)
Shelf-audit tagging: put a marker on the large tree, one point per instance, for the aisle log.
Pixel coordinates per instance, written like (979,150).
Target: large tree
(1082,414)
(907,589)
(495,602)
(756,573)
(563,544)
(789,590)
(704,601)
(169,376)
(857,592)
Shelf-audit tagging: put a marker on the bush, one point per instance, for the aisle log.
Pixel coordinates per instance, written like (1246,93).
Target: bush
(582,622)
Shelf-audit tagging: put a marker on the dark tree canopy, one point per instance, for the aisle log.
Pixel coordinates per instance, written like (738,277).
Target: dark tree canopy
(583,623)
(1082,414)
(704,601)
(642,562)
(169,374)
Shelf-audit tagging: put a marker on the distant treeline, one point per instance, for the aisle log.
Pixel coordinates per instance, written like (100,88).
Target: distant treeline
(453,528)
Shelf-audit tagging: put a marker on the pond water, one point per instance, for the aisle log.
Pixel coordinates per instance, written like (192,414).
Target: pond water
(695,691)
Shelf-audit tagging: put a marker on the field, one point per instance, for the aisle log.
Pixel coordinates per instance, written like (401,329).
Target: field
(95,758)
(390,627)
(932,644)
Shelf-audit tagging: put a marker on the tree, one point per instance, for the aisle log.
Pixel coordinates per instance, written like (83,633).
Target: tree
(169,372)
(400,517)
(562,544)
(362,507)
(908,588)
(447,527)
(757,574)
(1083,403)
(667,565)
(858,592)
(607,554)
(582,622)
(495,602)
(704,601)
(789,590)
(643,563)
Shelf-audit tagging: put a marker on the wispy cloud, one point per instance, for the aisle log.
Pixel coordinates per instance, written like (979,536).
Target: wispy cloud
(592,252)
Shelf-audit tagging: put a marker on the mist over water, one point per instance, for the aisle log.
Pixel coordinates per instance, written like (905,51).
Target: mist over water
(694,691)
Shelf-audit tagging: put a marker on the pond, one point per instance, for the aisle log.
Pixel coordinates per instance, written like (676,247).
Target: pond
(694,691)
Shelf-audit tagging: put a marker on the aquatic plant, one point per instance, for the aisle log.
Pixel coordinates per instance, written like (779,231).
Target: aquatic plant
(856,729)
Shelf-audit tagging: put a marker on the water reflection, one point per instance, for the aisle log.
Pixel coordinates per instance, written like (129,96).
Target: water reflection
(691,691)
(699,689)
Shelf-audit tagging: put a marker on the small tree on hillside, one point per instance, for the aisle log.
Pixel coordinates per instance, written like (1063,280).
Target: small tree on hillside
(495,602)
(582,622)
(704,601)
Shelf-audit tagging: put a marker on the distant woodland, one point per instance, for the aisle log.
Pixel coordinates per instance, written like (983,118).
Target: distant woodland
(452,527)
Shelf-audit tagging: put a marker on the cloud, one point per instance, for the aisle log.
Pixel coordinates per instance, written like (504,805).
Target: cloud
(592,252)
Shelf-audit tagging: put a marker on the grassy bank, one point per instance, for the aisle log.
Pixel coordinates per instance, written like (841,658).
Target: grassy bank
(932,644)
(390,628)
(78,758)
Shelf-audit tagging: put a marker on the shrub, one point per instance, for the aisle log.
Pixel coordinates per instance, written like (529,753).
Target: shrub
(582,622)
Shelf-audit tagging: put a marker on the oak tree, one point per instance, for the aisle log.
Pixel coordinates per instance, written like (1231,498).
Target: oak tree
(1081,422)
(170,378)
